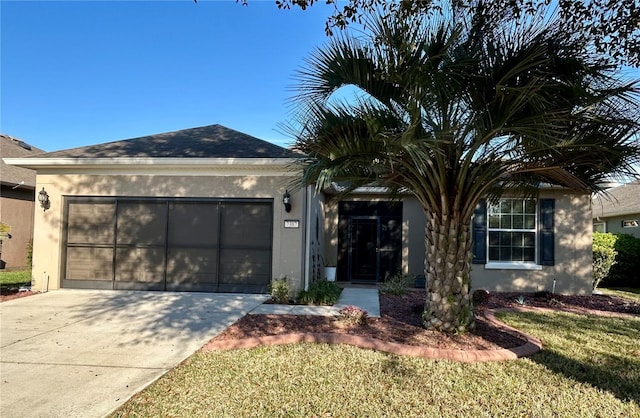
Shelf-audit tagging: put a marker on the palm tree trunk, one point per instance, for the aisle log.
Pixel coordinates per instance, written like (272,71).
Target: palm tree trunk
(448,305)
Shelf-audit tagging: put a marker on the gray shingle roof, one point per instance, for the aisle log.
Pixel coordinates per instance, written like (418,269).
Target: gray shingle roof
(10,175)
(621,200)
(214,141)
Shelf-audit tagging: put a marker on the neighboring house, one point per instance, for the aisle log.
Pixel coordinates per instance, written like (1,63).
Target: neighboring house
(17,195)
(618,210)
(202,210)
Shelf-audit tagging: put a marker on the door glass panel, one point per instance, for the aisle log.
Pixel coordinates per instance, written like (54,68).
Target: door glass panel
(390,247)
(364,249)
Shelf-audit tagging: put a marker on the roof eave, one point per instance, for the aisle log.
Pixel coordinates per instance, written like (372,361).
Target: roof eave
(36,163)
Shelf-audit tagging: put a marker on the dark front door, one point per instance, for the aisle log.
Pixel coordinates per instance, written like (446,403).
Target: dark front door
(364,247)
(369,241)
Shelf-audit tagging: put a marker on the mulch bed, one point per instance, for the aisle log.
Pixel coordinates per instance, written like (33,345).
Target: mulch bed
(400,321)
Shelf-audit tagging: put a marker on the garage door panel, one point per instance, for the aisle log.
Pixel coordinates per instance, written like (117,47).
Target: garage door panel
(193,224)
(91,223)
(243,223)
(141,223)
(245,266)
(89,263)
(140,265)
(191,266)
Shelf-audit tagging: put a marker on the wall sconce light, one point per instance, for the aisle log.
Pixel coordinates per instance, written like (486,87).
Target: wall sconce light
(286,200)
(43,198)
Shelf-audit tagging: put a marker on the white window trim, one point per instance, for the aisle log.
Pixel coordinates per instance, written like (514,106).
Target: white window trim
(515,265)
(604,224)
(502,265)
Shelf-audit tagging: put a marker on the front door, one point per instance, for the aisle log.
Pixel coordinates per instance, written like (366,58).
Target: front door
(369,241)
(364,249)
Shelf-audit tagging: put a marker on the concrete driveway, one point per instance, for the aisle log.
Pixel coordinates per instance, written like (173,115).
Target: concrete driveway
(82,353)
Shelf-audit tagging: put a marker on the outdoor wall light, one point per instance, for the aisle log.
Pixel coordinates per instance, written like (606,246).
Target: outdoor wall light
(43,198)
(286,200)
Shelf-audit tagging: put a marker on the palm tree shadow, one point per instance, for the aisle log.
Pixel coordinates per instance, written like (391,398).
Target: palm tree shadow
(606,376)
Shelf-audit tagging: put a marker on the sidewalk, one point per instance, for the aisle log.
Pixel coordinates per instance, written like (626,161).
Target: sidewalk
(366,299)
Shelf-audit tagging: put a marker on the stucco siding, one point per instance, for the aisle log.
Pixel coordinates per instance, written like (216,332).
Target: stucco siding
(572,270)
(614,225)
(16,210)
(287,249)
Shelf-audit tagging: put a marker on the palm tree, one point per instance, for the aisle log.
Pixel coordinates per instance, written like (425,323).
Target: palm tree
(456,112)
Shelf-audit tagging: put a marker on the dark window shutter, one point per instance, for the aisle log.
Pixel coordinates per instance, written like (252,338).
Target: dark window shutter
(479,233)
(545,227)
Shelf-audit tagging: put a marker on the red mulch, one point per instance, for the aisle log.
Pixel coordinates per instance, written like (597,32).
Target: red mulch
(400,321)
(9,294)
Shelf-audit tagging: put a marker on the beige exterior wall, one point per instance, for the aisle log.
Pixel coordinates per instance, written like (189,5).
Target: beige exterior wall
(614,225)
(202,183)
(573,247)
(573,269)
(16,210)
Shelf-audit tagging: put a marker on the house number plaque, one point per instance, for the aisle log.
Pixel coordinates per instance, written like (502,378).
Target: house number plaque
(291,223)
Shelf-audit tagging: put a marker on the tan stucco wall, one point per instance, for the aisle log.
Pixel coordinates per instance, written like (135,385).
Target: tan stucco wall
(573,254)
(287,243)
(16,210)
(614,225)
(573,247)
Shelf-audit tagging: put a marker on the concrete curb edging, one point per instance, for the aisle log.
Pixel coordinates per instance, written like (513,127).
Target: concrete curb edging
(532,345)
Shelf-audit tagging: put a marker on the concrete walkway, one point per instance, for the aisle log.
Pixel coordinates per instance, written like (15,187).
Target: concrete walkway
(366,299)
(82,353)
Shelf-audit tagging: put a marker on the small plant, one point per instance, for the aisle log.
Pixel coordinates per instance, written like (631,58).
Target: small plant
(520,300)
(279,290)
(353,315)
(30,254)
(321,292)
(479,296)
(396,285)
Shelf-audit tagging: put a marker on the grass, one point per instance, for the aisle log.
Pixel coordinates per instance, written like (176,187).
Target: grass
(623,292)
(590,367)
(15,278)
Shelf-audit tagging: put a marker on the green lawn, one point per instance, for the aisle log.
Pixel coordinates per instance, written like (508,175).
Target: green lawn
(623,292)
(15,278)
(590,367)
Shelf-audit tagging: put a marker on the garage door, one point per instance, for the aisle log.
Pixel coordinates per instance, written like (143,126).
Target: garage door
(168,244)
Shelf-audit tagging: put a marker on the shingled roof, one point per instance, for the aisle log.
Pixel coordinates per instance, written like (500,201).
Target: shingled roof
(213,141)
(618,201)
(10,175)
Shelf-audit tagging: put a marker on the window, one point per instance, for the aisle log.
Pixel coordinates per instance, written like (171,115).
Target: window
(514,233)
(599,227)
(512,230)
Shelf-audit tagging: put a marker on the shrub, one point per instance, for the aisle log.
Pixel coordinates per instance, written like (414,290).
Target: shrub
(396,285)
(279,290)
(353,315)
(321,292)
(623,271)
(603,258)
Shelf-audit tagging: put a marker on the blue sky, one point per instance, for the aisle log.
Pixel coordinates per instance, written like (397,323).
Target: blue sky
(83,72)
